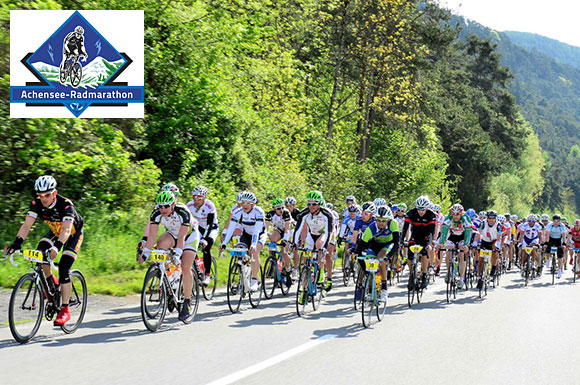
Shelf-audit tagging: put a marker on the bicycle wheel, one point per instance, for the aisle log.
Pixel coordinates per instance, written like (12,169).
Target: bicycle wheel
(346,268)
(194,299)
(286,281)
(153,300)
(449,289)
(358,286)
(419,289)
(381,309)
(256,297)
(368,303)
(77,303)
(575,269)
(411,290)
(269,277)
(26,308)
(302,291)
(318,290)
(209,290)
(235,291)
(76,74)
(553,270)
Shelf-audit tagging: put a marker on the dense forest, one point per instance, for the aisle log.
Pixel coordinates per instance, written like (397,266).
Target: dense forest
(547,93)
(379,98)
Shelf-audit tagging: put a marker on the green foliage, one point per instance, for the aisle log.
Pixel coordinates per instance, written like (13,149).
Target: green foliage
(562,52)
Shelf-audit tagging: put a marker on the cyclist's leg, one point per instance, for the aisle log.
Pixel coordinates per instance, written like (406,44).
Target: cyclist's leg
(46,243)
(69,255)
(187,258)
(256,254)
(207,250)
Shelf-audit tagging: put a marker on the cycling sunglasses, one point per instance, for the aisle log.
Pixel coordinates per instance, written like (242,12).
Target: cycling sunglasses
(278,208)
(44,195)
(382,220)
(164,206)
(421,208)
(312,204)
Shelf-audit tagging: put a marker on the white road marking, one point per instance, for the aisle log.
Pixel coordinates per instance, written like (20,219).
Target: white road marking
(271,361)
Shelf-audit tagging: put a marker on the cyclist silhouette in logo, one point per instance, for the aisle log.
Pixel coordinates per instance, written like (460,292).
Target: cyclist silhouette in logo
(73,48)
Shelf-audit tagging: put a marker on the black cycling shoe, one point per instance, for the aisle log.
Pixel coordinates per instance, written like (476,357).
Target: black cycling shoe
(423,282)
(479,284)
(184,313)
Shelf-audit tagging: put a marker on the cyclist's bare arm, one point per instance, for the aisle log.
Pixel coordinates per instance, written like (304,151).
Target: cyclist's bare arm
(181,236)
(63,236)
(153,230)
(26,226)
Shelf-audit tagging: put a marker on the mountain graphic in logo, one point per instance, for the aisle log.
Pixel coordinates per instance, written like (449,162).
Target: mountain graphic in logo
(94,73)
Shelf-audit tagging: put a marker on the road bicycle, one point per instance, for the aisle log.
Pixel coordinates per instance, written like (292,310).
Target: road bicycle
(163,290)
(414,288)
(529,268)
(575,265)
(27,301)
(348,265)
(309,283)
(73,69)
(553,258)
(274,274)
(452,277)
(240,280)
(485,278)
(371,288)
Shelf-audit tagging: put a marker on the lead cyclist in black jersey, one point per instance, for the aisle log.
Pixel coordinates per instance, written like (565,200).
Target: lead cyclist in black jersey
(66,233)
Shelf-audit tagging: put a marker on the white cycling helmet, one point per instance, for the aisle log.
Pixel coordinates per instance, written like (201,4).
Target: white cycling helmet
(384,212)
(290,201)
(239,196)
(545,217)
(350,198)
(199,191)
(369,207)
(329,206)
(248,197)
(422,201)
(45,183)
(380,202)
(501,219)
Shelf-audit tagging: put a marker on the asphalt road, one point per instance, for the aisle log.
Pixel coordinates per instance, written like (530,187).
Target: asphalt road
(515,335)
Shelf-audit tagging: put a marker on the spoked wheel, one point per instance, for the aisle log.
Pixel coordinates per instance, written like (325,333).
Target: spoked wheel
(381,309)
(553,271)
(483,284)
(194,299)
(317,298)
(153,300)
(76,74)
(26,308)
(269,277)
(77,303)
(449,289)
(411,290)
(368,304)
(209,290)
(575,270)
(256,296)
(360,288)
(286,281)
(419,290)
(302,292)
(346,269)
(235,289)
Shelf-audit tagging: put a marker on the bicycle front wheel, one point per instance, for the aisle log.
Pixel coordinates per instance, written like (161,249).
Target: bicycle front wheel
(76,74)
(256,296)
(449,289)
(235,290)
(302,292)
(411,288)
(153,300)
(26,308)
(318,290)
(269,277)
(77,303)
(368,302)
(209,290)
(346,268)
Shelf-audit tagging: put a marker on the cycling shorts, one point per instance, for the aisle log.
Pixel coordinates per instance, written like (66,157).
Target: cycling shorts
(71,246)
(455,240)
(311,240)
(246,239)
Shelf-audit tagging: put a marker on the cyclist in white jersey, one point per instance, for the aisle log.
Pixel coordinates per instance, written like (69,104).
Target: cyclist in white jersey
(529,235)
(350,201)
(318,222)
(251,218)
(335,229)
(182,235)
(290,203)
(280,220)
(206,215)
(491,239)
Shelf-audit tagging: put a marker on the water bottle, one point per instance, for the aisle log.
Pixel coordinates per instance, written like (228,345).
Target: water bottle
(247,271)
(378,282)
(200,265)
(280,265)
(175,277)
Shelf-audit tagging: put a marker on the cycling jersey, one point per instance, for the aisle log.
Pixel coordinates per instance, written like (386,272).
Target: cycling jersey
(376,239)
(318,224)
(400,221)
(61,210)
(423,229)
(456,230)
(174,221)
(252,224)
(361,225)
(348,224)
(206,216)
(556,232)
(531,233)
(294,214)
(575,236)
(278,221)
(490,233)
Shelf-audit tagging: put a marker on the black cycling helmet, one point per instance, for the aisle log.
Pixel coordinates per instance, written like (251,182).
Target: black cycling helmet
(556,217)
(491,214)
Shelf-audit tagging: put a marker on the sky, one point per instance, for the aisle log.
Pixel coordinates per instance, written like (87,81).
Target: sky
(556,19)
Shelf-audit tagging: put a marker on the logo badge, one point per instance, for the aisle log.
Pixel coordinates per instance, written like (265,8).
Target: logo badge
(91,64)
